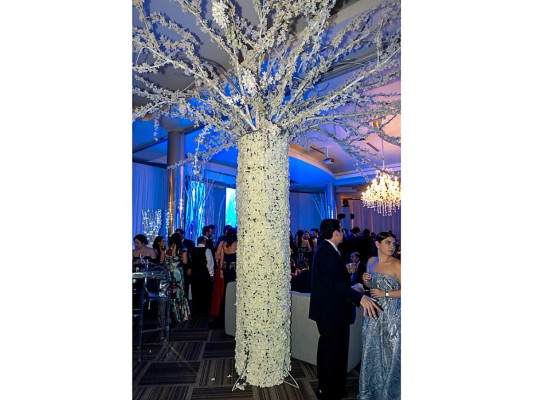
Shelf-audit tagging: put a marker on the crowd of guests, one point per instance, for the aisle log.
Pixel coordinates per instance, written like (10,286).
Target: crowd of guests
(199,272)
(356,247)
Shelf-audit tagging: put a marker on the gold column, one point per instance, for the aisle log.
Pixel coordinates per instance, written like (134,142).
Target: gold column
(175,152)
(180,217)
(172,158)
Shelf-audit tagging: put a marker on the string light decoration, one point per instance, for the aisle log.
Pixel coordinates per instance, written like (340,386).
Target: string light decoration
(151,224)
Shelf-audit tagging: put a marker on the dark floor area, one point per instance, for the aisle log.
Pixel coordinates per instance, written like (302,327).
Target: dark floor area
(197,363)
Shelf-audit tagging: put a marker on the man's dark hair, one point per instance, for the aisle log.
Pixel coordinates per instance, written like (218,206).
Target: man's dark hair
(328,226)
(205,230)
(201,240)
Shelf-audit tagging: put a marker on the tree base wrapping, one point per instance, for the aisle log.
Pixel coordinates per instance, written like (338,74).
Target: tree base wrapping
(263,269)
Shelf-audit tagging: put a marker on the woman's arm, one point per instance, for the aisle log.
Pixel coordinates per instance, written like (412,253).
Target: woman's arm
(395,294)
(219,251)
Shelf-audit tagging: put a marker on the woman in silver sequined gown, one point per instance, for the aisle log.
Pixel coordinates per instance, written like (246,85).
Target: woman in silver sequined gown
(380,362)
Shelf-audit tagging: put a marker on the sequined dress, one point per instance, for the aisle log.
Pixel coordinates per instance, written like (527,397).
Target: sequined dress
(379,377)
(180,310)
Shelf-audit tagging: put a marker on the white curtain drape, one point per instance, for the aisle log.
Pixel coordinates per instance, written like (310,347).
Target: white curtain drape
(149,191)
(367,218)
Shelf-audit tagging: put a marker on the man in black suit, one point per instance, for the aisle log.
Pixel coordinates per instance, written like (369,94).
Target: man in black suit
(207,232)
(331,304)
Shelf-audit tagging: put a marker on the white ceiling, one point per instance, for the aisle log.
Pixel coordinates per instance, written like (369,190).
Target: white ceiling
(308,172)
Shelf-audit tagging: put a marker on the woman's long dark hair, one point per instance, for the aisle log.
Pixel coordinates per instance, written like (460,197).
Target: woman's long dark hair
(156,246)
(175,239)
(299,235)
(231,237)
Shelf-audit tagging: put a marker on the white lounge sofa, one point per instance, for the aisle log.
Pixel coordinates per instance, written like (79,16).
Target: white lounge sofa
(304,333)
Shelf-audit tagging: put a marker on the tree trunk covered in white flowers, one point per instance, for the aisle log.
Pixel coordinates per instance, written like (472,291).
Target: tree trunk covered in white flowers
(263,269)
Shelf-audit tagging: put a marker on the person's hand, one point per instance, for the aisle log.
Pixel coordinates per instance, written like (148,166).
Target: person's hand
(370,307)
(367,276)
(377,293)
(358,287)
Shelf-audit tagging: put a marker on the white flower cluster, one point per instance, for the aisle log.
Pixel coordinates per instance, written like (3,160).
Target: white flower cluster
(248,81)
(219,14)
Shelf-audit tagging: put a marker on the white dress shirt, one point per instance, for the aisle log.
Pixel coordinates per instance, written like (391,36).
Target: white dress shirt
(210,262)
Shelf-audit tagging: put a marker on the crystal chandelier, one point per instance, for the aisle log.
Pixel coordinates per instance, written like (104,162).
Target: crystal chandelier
(384,194)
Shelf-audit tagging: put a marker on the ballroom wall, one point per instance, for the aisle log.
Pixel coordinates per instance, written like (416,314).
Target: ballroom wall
(367,218)
(304,214)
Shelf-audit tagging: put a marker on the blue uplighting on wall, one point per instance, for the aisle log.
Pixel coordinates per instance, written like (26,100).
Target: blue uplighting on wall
(231,212)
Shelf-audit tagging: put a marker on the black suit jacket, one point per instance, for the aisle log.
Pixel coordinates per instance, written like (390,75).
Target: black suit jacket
(210,245)
(332,298)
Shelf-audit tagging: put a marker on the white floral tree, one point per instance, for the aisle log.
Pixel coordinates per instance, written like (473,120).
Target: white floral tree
(271,96)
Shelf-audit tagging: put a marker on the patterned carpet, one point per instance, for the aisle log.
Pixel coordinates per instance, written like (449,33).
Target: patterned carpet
(198,364)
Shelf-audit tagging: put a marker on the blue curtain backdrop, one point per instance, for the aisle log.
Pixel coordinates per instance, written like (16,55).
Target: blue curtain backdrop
(149,191)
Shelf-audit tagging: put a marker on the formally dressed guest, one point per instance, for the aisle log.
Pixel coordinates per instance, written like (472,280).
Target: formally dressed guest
(141,252)
(177,260)
(219,244)
(380,361)
(212,231)
(332,299)
(188,245)
(307,236)
(160,247)
(186,242)
(364,245)
(202,277)
(346,246)
(314,237)
(303,248)
(301,281)
(292,248)
(223,237)
(360,268)
(207,232)
(228,272)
